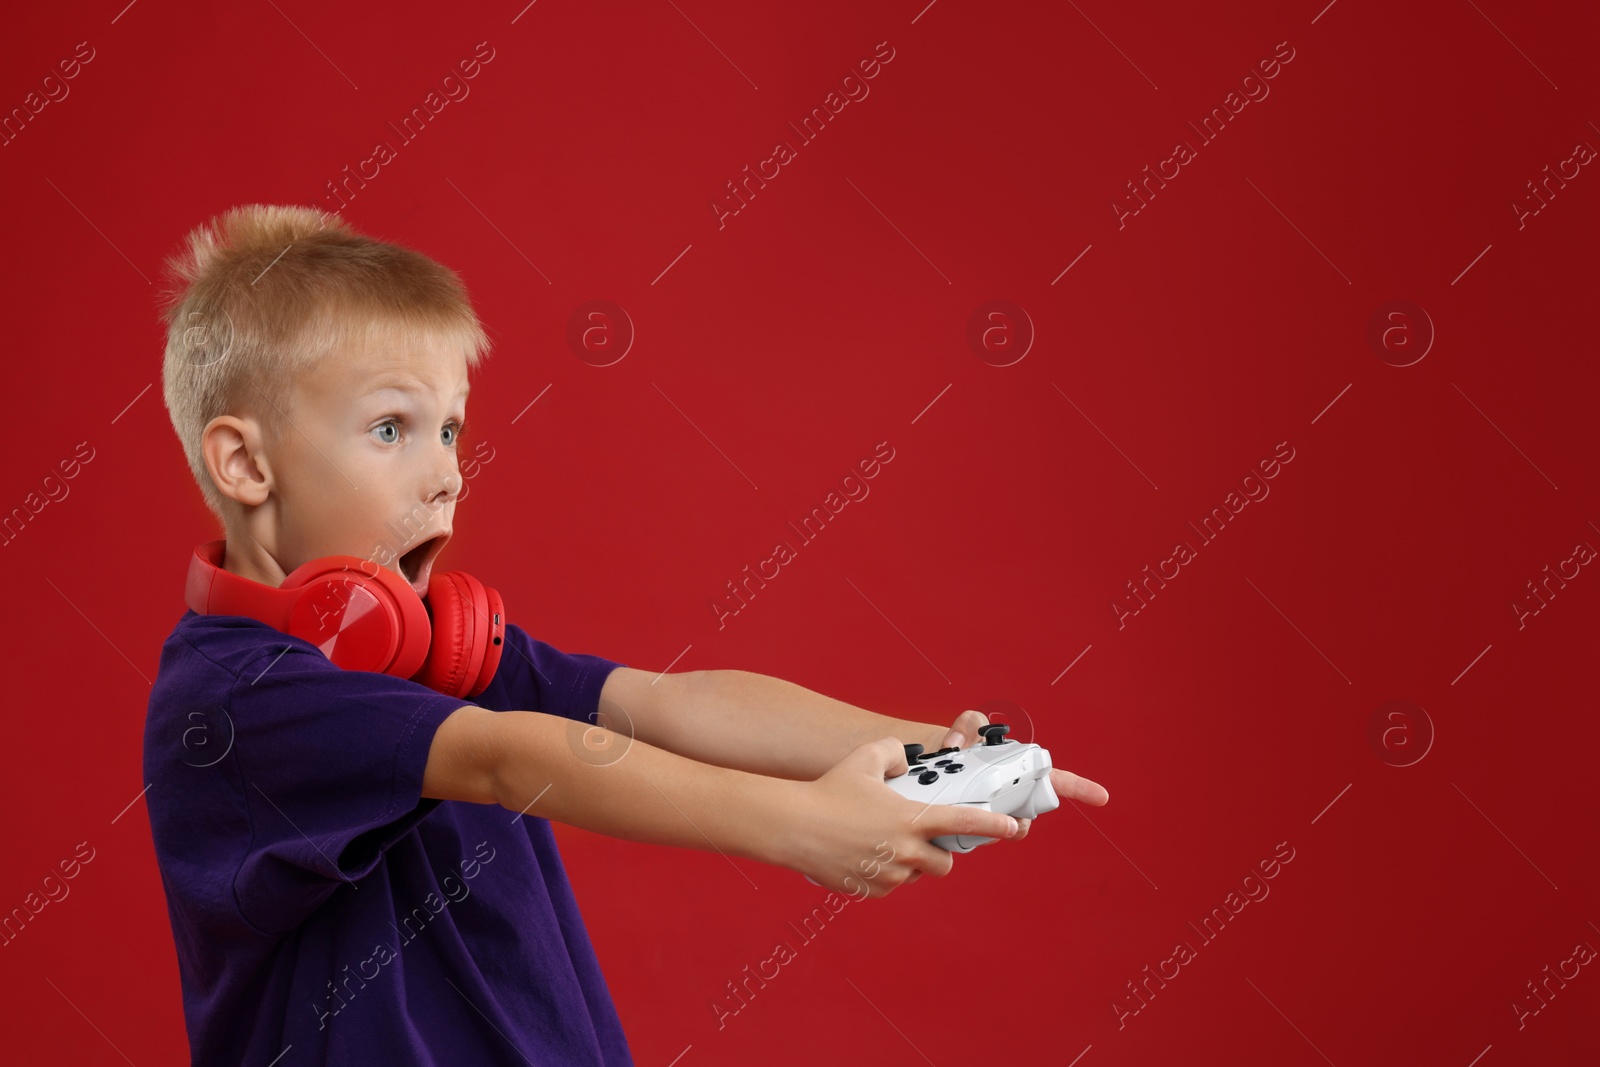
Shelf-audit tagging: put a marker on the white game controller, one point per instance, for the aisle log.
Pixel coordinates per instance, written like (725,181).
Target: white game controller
(1008,777)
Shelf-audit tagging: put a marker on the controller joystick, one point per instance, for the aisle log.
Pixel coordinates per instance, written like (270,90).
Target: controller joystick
(994,733)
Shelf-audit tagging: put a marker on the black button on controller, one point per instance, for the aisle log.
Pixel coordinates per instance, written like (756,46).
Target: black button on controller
(927,777)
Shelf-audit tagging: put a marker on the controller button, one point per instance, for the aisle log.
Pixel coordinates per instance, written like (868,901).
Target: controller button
(953,768)
(928,776)
(941,763)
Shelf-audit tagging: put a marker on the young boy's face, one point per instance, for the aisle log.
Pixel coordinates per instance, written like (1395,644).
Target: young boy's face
(367,466)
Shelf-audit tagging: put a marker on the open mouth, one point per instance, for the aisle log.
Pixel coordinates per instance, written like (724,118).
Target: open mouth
(417,563)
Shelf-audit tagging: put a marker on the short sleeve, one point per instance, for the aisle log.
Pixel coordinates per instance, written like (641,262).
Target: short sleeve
(331,764)
(535,676)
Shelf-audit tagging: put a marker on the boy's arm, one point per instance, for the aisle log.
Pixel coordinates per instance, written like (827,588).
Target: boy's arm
(843,829)
(766,725)
(576,773)
(752,722)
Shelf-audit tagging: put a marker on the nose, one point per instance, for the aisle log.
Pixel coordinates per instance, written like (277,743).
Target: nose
(446,484)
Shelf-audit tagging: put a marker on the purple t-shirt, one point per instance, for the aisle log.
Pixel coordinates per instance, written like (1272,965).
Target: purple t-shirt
(319,901)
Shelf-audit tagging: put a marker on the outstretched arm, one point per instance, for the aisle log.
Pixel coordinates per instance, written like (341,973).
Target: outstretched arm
(752,722)
(844,829)
(768,726)
(557,768)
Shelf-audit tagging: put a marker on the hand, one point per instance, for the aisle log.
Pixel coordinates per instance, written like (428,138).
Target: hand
(964,731)
(850,833)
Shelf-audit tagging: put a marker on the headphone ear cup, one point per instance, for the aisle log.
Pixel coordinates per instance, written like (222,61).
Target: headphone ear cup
(460,607)
(360,621)
(495,635)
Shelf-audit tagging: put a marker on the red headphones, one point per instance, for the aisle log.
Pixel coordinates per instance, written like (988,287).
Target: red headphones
(367,622)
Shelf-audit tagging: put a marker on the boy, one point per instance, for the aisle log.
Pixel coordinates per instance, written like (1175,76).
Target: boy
(360,867)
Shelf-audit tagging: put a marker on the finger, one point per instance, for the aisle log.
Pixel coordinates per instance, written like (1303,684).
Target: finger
(965,729)
(1022,829)
(1073,787)
(966,821)
(928,858)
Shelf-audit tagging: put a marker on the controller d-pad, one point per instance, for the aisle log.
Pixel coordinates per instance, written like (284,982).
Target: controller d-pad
(927,777)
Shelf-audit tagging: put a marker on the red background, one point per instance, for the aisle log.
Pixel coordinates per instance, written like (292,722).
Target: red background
(1229,315)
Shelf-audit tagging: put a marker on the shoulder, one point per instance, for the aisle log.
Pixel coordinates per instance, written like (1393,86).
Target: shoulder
(280,691)
(226,643)
(208,667)
(205,657)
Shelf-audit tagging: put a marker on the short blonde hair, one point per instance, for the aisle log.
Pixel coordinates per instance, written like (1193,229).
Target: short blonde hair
(262,292)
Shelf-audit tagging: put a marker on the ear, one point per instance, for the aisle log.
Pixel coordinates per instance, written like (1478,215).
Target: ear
(234,457)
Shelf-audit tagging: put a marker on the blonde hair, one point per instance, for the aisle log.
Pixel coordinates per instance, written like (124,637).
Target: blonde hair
(262,292)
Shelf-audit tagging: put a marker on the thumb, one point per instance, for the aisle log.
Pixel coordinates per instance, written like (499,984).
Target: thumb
(884,757)
(964,730)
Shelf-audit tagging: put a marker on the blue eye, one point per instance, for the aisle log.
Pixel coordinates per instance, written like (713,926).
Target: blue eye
(449,434)
(387,438)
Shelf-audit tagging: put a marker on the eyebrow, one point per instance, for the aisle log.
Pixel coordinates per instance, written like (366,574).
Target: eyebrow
(403,385)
